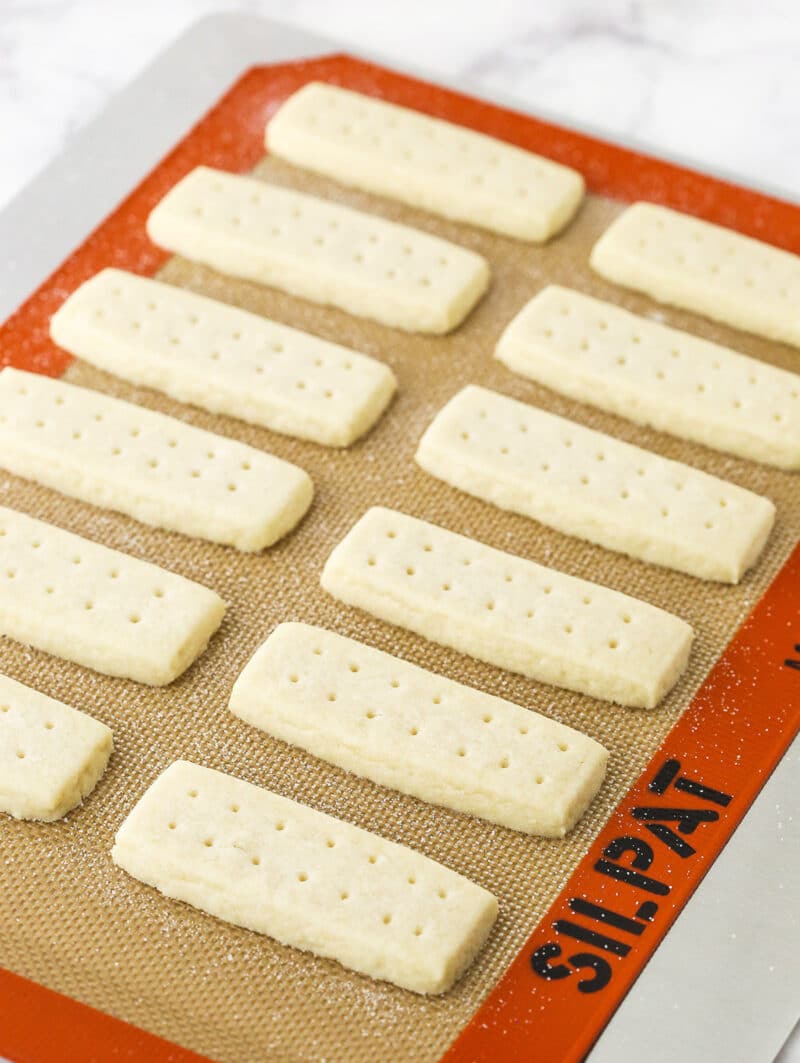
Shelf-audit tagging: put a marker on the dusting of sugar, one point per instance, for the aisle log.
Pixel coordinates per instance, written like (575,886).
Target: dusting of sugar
(70,918)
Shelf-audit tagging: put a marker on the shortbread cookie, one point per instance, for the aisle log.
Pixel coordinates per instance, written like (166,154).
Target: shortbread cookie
(591,485)
(314,882)
(425,162)
(596,352)
(681,260)
(401,726)
(320,250)
(51,755)
(407,728)
(103,609)
(508,611)
(154,468)
(223,359)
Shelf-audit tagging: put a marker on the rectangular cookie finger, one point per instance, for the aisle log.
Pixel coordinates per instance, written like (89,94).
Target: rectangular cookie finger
(425,162)
(272,865)
(223,359)
(320,251)
(684,261)
(591,485)
(51,755)
(154,468)
(101,608)
(508,611)
(598,353)
(404,727)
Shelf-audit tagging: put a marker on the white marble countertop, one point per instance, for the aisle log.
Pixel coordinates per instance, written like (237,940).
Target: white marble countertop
(716,82)
(702,79)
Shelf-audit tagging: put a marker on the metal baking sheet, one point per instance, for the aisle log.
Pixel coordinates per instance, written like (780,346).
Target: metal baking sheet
(54,214)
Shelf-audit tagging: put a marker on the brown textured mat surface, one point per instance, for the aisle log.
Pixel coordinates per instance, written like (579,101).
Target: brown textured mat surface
(71,920)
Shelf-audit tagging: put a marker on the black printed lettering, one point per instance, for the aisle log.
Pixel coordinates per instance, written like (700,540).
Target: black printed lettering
(705,793)
(688,819)
(671,840)
(590,937)
(661,781)
(540,962)
(632,878)
(791,662)
(629,844)
(605,915)
(602,971)
(647,911)
(625,859)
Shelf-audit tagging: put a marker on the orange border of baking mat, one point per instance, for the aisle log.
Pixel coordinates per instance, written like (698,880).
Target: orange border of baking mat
(557,995)
(41,1026)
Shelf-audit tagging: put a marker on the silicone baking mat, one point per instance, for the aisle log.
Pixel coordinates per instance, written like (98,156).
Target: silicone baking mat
(72,921)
